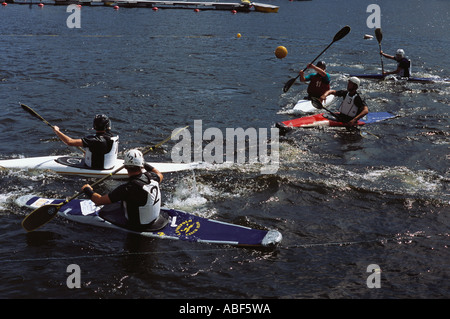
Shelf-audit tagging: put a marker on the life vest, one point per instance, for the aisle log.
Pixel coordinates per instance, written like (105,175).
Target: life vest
(318,86)
(348,106)
(103,160)
(405,67)
(151,209)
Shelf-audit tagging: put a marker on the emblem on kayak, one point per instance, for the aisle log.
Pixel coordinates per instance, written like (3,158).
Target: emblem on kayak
(74,160)
(187,228)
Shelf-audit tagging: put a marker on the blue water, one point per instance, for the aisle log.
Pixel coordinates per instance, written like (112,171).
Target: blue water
(342,200)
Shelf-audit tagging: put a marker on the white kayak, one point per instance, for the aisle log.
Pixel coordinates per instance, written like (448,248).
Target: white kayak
(305,106)
(69,165)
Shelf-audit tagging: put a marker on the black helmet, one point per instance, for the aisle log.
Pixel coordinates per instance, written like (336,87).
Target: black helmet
(322,65)
(101,122)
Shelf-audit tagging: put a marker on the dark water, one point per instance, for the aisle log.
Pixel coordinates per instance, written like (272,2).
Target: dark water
(342,200)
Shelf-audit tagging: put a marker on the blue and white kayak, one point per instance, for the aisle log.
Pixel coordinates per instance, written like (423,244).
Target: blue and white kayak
(410,79)
(176,224)
(69,165)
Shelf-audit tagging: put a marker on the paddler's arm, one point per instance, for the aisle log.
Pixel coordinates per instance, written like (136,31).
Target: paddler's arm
(95,197)
(387,55)
(393,72)
(329,92)
(302,76)
(392,58)
(150,168)
(318,70)
(363,113)
(66,139)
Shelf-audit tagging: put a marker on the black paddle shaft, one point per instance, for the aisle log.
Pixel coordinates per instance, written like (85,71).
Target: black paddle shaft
(338,36)
(36,115)
(318,105)
(342,33)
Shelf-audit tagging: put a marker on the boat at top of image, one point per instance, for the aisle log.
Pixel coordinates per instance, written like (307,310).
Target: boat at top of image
(409,79)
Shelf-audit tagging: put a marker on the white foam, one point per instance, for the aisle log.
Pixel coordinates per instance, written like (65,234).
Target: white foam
(191,197)
(7,199)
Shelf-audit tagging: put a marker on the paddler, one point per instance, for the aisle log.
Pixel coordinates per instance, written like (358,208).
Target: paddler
(353,107)
(319,80)
(140,196)
(100,149)
(403,63)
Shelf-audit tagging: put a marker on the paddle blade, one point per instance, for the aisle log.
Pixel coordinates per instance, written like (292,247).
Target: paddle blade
(40,216)
(378,34)
(34,113)
(288,84)
(342,33)
(30,110)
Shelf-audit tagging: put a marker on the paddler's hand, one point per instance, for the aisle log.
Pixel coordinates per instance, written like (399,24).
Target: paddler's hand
(84,186)
(352,122)
(87,190)
(56,128)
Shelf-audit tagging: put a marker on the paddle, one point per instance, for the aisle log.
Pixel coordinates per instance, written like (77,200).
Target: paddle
(342,33)
(379,37)
(35,114)
(44,214)
(318,105)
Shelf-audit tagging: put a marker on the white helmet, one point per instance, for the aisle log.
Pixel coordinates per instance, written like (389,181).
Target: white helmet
(400,53)
(355,80)
(134,158)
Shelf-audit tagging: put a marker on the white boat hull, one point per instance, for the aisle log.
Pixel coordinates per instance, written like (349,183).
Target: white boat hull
(305,106)
(50,163)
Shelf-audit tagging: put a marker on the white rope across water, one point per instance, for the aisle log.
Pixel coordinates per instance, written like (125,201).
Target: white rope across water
(407,237)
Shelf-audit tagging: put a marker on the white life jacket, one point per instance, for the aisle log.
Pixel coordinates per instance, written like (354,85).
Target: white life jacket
(109,159)
(150,211)
(348,106)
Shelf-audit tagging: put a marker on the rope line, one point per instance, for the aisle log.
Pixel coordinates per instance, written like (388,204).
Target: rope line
(125,254)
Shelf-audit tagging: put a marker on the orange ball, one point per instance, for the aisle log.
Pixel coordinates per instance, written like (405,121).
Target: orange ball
(281,52)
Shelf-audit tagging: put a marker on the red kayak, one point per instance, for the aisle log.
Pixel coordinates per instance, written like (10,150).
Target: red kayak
(324,119)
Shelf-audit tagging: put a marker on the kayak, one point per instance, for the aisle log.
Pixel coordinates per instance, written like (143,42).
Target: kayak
(69,165)
(173,224)
(305,106)
(323,119)
(410,79)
